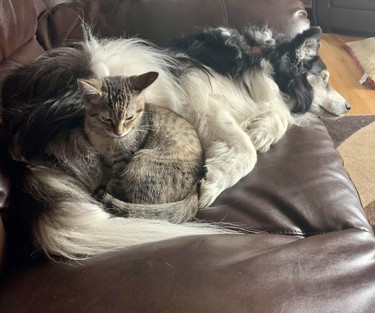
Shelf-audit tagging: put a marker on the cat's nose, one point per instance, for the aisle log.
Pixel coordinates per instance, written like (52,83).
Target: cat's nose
(119,134)
(347,106)
(118,131)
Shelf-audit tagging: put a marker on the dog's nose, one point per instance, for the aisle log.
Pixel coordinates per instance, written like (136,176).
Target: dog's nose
(347,106)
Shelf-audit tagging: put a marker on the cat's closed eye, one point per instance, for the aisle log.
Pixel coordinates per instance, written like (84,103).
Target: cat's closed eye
(130,117)
(106,119)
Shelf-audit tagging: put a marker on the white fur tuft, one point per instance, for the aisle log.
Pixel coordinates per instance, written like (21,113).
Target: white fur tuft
(92,232)
(134,56)
(77,227)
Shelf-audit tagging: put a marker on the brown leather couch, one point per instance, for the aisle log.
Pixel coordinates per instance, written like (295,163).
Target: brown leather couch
(345,15)
(315,252)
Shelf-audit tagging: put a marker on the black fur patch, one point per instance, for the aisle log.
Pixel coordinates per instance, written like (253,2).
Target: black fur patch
(229,53)
(41,99)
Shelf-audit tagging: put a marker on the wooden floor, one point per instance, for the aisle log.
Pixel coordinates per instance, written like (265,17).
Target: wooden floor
(344,75)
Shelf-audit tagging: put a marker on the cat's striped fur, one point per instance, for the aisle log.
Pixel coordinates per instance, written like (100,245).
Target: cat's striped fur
(154,155)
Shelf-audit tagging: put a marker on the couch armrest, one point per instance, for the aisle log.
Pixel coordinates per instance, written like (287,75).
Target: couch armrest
(19,21)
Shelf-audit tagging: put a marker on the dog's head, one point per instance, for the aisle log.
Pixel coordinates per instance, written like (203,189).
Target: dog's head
(303,77)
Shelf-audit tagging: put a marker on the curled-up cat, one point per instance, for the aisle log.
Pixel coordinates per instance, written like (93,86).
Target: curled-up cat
(154,156)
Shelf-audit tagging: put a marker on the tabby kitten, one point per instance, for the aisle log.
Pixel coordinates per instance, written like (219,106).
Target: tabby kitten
(154,156)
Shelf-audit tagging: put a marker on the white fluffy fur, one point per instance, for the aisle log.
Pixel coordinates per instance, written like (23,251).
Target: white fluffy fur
(80,228)
(134,57)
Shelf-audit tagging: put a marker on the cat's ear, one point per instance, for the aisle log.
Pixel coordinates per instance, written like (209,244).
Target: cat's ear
(141,82)
(89,88)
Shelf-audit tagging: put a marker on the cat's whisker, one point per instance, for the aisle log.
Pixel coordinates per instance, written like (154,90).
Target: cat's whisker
(145,129)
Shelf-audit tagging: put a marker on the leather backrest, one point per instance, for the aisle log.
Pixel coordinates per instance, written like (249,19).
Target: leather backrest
(161,20)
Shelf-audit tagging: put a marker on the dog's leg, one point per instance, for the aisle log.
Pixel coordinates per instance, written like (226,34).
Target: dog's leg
(230,154)
(226,164)
(273,116)
(267,128)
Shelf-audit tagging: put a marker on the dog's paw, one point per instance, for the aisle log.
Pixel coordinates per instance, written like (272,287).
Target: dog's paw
(262,140)
(266,131)
(225,165)
(210,187)
(209,191)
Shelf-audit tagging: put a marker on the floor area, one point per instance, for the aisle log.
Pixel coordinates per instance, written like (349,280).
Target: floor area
(344,74)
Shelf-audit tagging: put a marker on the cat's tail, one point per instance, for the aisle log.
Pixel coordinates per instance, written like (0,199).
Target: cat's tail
(73,225)
(174,212)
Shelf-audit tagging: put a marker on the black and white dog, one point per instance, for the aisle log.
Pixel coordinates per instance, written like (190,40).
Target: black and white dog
(241,91)
(259,83)
(293,62)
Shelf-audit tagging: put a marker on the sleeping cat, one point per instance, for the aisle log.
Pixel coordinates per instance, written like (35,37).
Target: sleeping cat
(153,155)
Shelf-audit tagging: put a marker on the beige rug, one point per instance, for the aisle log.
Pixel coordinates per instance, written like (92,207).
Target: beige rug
(354,138)
(363,54)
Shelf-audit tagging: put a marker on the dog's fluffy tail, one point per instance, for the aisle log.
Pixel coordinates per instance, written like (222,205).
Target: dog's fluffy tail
(75,226)
(175,212)
(94,232)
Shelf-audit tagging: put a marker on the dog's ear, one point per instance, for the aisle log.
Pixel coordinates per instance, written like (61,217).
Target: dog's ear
(302,94)
(291,61)
(307,44)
